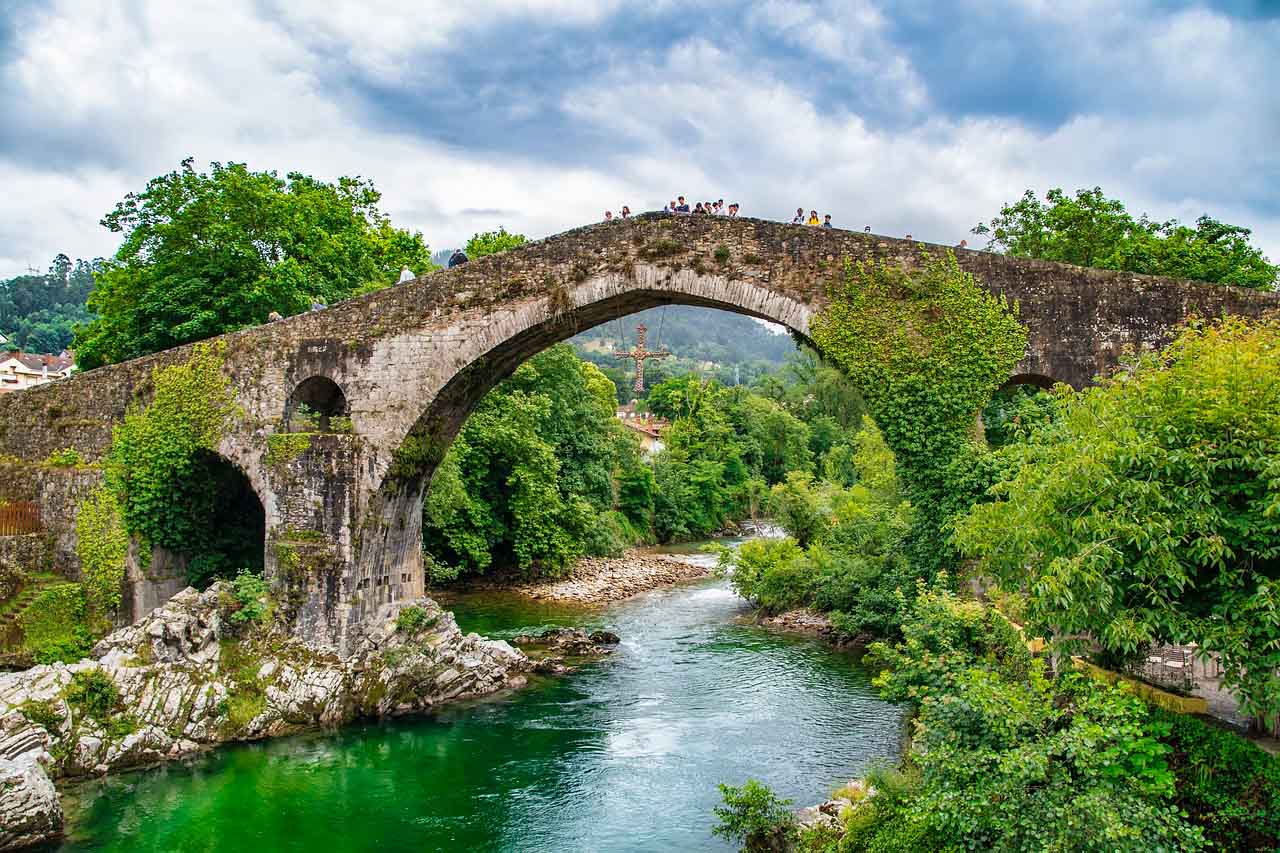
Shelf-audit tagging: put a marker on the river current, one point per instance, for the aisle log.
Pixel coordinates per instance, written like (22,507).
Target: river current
(623,754)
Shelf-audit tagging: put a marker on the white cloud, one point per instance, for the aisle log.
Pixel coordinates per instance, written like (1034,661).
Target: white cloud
(107,99)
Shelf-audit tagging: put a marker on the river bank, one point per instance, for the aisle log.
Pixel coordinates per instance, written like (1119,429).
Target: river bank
(594,580)
(187,678)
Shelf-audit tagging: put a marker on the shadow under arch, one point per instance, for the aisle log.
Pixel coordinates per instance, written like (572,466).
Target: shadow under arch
(315,400)
(221,507)
(389,562)
(1038,380)
(231,514)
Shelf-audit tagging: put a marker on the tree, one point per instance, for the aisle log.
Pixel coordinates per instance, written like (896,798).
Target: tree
(1148,509)
(203,254)
(530,478)
(1095,231)
(492,242)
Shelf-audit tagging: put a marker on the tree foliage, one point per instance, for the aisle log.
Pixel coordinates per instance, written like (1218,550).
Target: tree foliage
(530,477)
(207,253)
(491,242)
(846,551)
(1006,759)
(1095,231)
(39,313)
(1148,509)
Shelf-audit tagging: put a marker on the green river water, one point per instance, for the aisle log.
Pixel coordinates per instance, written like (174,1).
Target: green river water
(623,754)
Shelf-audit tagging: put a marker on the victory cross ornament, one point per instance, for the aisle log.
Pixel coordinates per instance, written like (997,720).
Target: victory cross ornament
(639,355)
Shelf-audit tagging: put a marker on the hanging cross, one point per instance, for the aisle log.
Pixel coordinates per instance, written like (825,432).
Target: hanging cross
(639,354)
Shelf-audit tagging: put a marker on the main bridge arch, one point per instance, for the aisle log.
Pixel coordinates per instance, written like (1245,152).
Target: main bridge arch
(401,368)
(389,559)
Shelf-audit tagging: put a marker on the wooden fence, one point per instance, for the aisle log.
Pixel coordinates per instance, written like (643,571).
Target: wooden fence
(20,517)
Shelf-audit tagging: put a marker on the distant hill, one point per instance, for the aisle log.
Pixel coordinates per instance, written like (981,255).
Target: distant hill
(39,312)
(718,344)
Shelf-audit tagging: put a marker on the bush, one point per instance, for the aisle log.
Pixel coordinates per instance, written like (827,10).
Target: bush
(610,535)
(769,572)
(754,816)
(67,457)
(54,625)
(1010,760)
(43,714)
(1227,785)
(252,597)
(93,694)
(413,619)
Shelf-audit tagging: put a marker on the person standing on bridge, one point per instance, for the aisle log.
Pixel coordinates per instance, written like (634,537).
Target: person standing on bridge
(682,207)
(813,218)
(626,212)
(457,259)
(826,221)
(733,210)
(798,219)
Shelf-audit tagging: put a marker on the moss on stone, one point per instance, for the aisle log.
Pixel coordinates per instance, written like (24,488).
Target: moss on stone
(284,447)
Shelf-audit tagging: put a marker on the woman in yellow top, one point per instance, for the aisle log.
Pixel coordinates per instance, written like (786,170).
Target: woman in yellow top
(813,218)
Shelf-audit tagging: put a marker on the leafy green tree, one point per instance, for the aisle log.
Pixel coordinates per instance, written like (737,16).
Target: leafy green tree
(1095,231)
(492,242)
(530,480)
(207,253)
(1146,511)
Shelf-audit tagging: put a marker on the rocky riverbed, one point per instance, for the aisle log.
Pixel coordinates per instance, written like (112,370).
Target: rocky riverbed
(598,580)
(186,678)
(801,621)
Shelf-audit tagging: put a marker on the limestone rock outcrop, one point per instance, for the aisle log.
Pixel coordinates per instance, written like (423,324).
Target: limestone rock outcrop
(186,677)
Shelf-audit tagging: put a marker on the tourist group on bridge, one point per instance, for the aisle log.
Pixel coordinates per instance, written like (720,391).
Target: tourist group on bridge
(681,207)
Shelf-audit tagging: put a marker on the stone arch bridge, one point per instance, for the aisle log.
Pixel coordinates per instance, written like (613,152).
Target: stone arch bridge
(407,364)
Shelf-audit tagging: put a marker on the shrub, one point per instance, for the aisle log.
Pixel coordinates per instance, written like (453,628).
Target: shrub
(1226,784)
(1010,760)
(253,597)
(67,457)
(721,254)
(54,626)
(413,619)
(101,545)
(93,694)
(754,816)
(770,572)
(43,714)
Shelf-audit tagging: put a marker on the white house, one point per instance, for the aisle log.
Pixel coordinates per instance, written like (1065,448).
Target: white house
(20,370)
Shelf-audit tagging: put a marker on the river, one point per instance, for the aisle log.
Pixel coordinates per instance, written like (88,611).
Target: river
(623,754)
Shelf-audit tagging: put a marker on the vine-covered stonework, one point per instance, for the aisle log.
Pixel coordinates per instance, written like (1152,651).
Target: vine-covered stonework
(926,347)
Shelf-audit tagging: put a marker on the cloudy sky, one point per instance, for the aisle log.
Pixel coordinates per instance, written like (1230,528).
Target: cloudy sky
(540,114)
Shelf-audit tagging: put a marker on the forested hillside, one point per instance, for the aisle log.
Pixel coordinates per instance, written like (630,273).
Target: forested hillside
(38,313)
(731,348)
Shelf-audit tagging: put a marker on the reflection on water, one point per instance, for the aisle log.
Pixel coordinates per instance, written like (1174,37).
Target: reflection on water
(624,754)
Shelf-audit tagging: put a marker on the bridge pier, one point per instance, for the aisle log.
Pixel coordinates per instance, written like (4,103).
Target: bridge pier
(310,556)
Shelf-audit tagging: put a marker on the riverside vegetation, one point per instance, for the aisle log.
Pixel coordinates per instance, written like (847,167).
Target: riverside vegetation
(1135,512)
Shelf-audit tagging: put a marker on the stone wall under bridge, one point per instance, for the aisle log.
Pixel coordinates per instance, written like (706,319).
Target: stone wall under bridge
(343,515)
